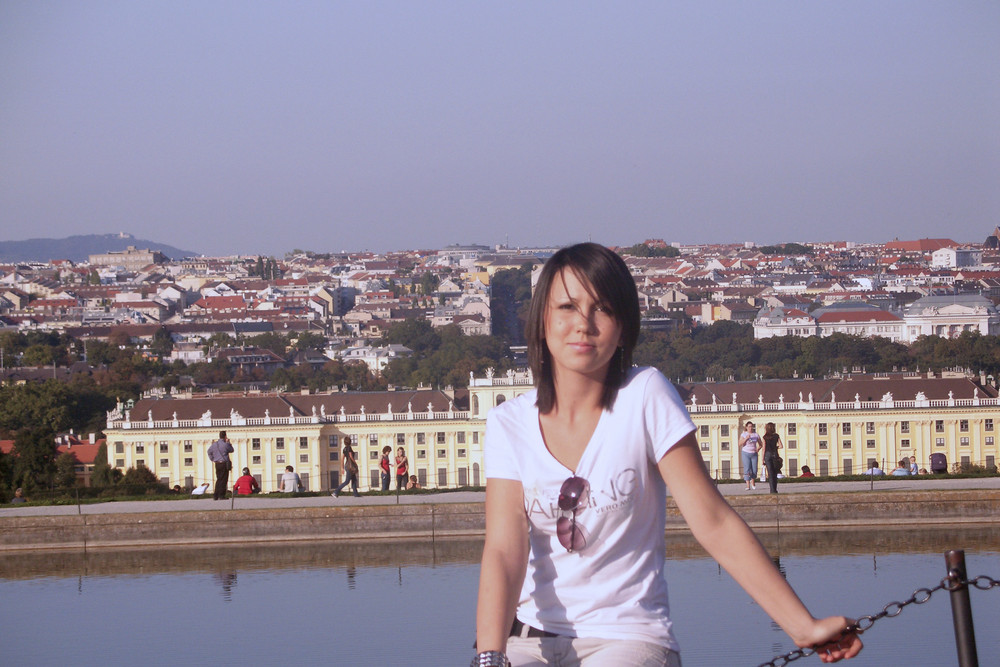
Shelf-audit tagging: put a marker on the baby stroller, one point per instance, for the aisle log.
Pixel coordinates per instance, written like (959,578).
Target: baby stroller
(939,463)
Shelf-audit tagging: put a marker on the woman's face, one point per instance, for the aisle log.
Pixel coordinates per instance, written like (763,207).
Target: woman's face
(580,332)
(399,452)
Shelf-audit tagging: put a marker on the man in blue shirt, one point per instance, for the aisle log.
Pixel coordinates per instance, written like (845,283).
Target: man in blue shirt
(218,452)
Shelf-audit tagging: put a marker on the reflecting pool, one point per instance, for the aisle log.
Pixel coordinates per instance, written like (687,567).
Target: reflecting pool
(413,603)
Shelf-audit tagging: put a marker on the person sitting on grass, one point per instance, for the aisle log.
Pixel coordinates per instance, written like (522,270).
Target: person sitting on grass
(413,483)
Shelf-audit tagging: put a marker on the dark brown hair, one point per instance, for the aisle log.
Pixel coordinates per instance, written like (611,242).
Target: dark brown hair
(607,278)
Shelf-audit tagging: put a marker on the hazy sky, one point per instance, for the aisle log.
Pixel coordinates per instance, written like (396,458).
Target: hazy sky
(249,127)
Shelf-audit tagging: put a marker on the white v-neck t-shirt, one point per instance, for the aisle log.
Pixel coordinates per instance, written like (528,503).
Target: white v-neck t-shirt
(614,587)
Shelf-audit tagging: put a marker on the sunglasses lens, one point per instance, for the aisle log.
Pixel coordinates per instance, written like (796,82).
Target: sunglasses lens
(570,535)
(571,492)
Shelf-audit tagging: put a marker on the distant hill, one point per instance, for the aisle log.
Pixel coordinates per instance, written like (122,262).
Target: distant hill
(79,248)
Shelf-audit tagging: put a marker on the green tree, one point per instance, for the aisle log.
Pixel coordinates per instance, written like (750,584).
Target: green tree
(510,297)
(162,343)
(65,471)
(101,475)
(643,250)
(308,340)
(37,355)
(34,458)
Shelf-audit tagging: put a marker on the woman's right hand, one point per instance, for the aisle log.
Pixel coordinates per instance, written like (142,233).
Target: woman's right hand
(828,639)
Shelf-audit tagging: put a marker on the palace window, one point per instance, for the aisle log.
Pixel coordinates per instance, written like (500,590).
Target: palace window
(333,440)
(989,441)
(440,437)
(303,458)
(704,446)
(703,431)
(279,443)
(256,460)
(460,437)
(988,424)
(822,429)
(904,443)
(846,444)
(188,448)
(188,462)
(442,453)
(870,444)
(904,427)
(939,442)
(373,455)
(164,463)
(793,444)
(401,439)
(373,439)
(255,444)
(421,453)
(724,446)
(724,430)
(303,442)
(823,444)
(963,425)
(870,428)
(964,441)
(139,448)
(847,429)
(792,429)
(461,453)
(939,426)
(164,448)
(421,439)
(280,458)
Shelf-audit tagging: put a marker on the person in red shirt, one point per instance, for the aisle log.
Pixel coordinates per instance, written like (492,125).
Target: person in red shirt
(402,468)
(246,484)
(385,467)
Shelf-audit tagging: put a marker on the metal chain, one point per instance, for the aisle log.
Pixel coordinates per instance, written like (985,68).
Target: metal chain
(864,623)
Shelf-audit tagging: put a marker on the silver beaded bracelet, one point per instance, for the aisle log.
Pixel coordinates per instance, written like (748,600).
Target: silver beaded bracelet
(490,659)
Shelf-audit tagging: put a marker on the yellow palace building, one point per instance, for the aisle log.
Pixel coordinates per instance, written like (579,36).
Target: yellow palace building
(835,426)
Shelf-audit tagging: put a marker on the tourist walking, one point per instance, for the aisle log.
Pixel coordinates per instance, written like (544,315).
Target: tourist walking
(750,444)
(772,459)
(349,467)
(577,472)
(218,453)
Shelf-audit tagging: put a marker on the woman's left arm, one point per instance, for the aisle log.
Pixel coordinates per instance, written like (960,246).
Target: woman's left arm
(728,539)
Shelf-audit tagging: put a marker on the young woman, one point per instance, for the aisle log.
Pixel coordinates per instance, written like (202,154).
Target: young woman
(577,472)
(402,468)
(349,468)
(750,444)
(772,443)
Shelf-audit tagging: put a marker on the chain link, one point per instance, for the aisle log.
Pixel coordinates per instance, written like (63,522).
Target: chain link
(920,596)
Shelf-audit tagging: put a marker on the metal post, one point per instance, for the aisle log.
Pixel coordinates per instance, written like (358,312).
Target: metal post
(961,609)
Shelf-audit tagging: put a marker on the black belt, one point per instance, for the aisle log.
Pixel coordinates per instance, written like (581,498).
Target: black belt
(519,629)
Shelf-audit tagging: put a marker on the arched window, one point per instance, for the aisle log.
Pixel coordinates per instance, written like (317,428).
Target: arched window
(501,398)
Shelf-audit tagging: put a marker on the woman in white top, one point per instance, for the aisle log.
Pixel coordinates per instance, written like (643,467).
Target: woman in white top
(750,444)
(577,470)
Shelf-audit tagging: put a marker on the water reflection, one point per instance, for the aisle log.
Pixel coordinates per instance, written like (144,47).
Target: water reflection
(226,581)
(413,601)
